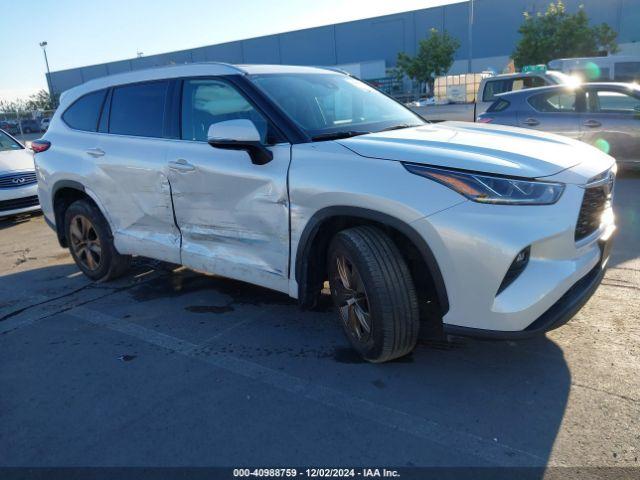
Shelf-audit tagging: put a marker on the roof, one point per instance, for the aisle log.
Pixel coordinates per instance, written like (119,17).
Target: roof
(183,70)
(521,74)
(550,88)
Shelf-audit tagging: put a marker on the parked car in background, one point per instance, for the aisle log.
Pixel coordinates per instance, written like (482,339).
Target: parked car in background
(489,88)
(9,127)
(44,124)
(606,115)
(18,186)
(422,102)
(30,125)
(287,177)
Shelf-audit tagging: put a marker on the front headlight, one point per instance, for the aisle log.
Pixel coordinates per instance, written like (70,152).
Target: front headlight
(487,188)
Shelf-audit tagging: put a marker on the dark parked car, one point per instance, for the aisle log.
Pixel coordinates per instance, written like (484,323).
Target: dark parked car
(10,127)
(30,126)
(606,115)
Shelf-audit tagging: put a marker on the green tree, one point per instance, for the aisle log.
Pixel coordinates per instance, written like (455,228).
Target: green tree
(434,58)
(40,101)
(558,34)
(13,106)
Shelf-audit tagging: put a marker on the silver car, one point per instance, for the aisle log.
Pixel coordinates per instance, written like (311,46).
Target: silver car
(606,115)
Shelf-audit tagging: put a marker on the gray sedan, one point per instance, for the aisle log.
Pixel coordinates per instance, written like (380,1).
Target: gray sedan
(606,115)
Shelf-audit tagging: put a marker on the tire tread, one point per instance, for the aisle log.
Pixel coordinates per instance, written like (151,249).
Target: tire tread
(394,286)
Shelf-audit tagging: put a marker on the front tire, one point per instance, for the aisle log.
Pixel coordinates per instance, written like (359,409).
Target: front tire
(374,294)
(91,242)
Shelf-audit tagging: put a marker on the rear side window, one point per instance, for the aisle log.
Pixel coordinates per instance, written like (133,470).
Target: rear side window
(494,87)
(498,106)
(611,101)
(83,113)
(138,109)
(554,102)
(528,82)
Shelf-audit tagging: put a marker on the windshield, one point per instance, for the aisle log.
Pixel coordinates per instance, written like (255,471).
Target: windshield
(331,103)
(8,143)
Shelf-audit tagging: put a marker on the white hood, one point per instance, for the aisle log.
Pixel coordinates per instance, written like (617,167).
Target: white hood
(480,147)
(16,160)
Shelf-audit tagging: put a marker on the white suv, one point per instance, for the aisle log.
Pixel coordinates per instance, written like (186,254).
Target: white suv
(287,177)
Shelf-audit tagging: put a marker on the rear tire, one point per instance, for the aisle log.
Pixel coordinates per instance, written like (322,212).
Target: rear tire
(374,294)
(91,242)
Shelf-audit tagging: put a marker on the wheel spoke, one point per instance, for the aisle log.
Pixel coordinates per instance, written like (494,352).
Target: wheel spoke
(95,248)
(75,231)
(84,227)
(90,261)
(343,271)
(344,313)
(355,323)
(362,316)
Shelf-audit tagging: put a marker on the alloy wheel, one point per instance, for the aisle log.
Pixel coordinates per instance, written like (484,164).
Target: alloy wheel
(351,299)
(85,242)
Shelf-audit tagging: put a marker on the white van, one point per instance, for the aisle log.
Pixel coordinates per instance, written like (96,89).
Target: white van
(615,68)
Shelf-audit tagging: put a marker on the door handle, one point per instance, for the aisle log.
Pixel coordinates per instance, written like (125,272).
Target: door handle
(95,152)
(532,122)
(181,165)
(592,124)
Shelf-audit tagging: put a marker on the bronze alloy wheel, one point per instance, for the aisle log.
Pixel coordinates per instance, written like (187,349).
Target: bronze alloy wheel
(351,299)
(85,242)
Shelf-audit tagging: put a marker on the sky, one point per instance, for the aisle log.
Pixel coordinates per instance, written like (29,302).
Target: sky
(86,32)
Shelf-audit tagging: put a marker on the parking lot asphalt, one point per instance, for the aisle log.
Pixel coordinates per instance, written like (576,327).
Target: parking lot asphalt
(168,367)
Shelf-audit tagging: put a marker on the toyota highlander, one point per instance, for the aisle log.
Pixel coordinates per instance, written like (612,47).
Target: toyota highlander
(289,177)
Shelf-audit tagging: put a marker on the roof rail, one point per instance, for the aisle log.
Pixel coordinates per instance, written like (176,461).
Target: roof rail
(224,64)
(336,69)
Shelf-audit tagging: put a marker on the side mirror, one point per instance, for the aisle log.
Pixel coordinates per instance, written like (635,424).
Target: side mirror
(240,134)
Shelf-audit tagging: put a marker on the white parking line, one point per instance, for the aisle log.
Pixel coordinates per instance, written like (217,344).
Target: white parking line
(489,450)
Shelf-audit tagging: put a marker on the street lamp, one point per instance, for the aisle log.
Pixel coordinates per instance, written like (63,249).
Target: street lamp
(470,34)
(46,61)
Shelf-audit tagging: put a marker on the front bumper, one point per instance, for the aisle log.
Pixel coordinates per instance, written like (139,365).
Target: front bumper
(14,201)
(475,245)
(560,312)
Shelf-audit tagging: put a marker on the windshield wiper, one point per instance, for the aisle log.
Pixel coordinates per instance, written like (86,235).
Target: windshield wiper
(337,135)
(399,127)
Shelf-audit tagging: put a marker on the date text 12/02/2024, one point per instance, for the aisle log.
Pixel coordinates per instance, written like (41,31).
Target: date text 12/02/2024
(317,472)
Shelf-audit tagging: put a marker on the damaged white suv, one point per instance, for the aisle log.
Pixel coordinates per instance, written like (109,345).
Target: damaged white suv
(287,177)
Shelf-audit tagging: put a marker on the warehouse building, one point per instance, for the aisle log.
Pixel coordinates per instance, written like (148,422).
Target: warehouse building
(369,48)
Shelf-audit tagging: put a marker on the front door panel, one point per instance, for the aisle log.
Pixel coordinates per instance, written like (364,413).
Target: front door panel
(233,215)
(612,122)
(557,111)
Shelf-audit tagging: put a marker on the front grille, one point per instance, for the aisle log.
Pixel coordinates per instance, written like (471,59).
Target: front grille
(20,179)
(18,203)
(593,204)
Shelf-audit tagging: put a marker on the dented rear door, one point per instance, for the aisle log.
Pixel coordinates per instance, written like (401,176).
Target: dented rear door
(133,183)
(233,215)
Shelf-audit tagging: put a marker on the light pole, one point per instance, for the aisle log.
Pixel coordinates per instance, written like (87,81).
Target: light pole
(46,61)
(470,33)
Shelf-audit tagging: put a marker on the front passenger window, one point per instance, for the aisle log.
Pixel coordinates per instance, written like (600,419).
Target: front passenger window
(611,101)
(205,102)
